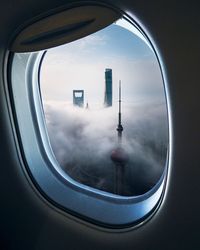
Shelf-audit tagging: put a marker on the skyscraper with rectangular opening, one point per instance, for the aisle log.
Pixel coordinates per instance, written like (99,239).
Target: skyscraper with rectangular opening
(108,88)
(78,98)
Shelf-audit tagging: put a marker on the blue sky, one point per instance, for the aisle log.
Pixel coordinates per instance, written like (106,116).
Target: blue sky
(81,65)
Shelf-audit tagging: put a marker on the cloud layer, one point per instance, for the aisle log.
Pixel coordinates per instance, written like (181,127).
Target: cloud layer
(82,141)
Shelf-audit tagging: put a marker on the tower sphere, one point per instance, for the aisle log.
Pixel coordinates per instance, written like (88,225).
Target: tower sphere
(119,156)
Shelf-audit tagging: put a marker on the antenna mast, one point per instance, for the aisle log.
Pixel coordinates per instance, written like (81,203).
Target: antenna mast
(119,127)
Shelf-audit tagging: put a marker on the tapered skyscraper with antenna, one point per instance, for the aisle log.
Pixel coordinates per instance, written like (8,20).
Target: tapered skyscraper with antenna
(108,88)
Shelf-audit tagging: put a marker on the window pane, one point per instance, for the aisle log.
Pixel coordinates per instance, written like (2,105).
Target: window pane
(105,111)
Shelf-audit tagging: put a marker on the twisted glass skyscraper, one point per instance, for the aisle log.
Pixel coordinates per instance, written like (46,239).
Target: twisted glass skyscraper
(108,88)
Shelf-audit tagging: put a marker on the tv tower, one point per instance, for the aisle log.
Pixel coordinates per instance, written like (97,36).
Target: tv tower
(119,127)
(118,155)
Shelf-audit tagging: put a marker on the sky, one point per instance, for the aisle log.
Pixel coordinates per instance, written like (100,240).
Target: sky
(83,139)
(81,65)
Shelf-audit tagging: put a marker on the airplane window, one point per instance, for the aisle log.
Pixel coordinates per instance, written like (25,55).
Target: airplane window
(105,110)
(91,115)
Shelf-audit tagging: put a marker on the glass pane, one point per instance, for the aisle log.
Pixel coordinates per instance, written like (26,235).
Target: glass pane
(105,110)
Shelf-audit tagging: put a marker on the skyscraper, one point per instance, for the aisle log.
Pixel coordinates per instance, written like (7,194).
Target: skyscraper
(108,88)
(78,98)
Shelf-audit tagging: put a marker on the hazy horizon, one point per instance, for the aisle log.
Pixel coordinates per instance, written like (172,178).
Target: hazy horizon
(81,65)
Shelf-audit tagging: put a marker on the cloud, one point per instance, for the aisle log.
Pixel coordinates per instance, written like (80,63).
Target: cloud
(92,40)
(82,141)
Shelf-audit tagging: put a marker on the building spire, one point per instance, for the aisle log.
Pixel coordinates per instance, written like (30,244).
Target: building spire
(118,155)
(119,126)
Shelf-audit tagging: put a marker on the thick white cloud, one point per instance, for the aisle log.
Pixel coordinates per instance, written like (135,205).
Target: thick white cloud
(82,141)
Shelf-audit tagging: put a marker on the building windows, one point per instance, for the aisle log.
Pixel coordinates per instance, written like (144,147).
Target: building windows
(97,122)
(78,98)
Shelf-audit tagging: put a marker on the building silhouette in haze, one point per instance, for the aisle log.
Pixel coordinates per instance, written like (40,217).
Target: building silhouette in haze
(108,88)
(78,98)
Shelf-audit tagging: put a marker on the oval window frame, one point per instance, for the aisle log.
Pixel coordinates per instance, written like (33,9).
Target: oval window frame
(121,212)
